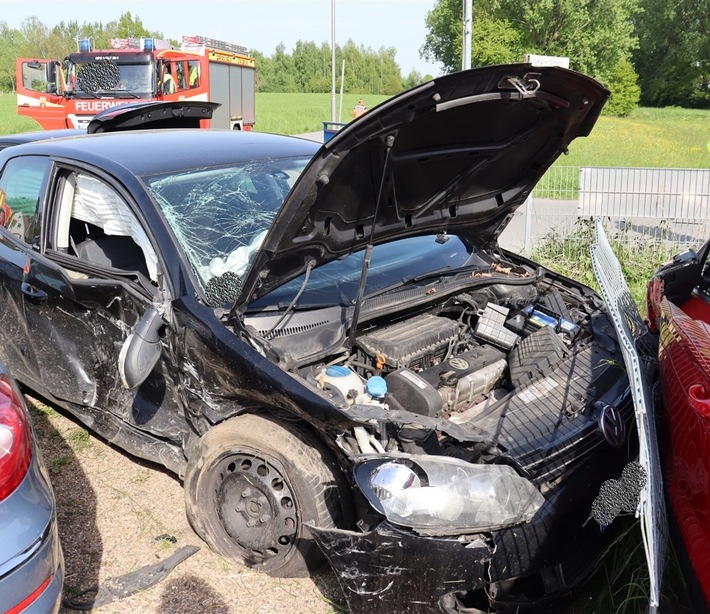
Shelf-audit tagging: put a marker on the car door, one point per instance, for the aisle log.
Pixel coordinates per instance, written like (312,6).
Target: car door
(92,279)
(40,91)
(23,182)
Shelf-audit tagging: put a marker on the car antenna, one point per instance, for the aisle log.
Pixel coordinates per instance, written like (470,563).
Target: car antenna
(389,141)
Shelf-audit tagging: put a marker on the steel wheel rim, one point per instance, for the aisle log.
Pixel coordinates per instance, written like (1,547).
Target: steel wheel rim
(256,507)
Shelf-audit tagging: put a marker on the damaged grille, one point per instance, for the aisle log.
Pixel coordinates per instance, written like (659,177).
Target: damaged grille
(545,425)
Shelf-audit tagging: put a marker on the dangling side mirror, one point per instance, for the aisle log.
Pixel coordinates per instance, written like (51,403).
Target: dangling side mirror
(141,350)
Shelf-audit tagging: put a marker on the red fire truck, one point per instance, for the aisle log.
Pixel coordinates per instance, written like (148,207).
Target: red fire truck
(68,94)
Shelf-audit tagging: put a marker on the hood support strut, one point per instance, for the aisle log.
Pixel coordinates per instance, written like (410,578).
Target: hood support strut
(389,141)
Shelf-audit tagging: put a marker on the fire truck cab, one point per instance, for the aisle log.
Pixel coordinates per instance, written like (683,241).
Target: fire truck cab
(68,94)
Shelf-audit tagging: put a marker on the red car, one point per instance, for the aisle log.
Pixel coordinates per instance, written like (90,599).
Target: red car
(679,310)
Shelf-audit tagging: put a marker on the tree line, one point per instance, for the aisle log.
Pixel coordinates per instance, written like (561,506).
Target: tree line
(306,69)
(653,51)
(649,51)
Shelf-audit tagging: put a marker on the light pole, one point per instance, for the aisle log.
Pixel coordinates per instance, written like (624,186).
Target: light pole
(467,33)
(332,60)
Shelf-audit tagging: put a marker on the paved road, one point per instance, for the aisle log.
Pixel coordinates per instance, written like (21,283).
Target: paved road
(313,136)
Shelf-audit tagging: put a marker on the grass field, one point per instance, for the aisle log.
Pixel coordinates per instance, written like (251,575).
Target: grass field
(10,121)
(658,138)
(298,113)
(673,137)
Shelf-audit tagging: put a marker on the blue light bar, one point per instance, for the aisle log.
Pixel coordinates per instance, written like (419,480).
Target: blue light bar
(84,45)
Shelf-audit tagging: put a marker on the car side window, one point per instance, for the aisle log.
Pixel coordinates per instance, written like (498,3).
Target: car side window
(193,71)
(93,222)
(181,76)
(21,186)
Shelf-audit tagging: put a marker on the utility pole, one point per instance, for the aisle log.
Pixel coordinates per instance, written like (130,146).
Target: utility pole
(467,33)
(332,61)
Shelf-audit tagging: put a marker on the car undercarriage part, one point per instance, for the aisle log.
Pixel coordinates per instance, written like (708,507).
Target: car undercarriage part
(115,589)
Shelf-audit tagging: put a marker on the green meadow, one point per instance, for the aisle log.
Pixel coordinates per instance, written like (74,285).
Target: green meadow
(657,138)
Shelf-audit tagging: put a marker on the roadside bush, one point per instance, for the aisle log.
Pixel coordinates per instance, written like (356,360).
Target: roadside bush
(570,256)
(625,91)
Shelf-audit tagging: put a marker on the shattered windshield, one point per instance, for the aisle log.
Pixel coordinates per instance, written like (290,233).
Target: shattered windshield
(220,216)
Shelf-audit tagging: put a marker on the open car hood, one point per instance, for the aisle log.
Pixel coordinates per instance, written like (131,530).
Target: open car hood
(457,154)
(152,115)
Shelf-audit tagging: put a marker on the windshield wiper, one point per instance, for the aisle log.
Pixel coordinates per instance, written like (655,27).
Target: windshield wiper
(310,265)
(428,275)
(437,274)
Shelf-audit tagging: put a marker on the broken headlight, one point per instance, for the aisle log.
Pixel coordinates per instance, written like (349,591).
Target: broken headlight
(436,494)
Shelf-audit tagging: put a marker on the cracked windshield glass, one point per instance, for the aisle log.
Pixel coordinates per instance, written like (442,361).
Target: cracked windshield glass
(220,216)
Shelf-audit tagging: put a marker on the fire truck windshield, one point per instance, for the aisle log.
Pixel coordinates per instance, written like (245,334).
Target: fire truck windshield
(109,76)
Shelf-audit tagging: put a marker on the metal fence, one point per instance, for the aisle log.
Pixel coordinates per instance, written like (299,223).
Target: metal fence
(667,207)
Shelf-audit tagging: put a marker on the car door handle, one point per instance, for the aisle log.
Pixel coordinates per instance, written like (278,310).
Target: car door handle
(34,294)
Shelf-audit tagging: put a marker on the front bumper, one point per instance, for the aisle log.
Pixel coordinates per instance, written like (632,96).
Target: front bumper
(525,567)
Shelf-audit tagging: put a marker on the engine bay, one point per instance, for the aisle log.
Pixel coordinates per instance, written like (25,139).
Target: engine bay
(521,358)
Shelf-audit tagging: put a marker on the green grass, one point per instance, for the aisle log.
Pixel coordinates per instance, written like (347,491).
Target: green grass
(620,584)
(278,113)
(657,138)
(570,256)
(298,113)
(10,121)
(78,439)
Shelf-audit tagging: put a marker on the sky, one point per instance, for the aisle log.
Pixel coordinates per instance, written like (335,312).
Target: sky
(258,24)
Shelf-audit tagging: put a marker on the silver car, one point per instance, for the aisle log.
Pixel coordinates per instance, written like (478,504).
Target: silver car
(31,562)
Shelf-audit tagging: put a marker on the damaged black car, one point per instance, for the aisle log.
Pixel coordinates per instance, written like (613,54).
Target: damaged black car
(327,343)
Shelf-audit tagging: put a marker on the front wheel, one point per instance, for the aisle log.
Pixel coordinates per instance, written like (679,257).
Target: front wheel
(253,483)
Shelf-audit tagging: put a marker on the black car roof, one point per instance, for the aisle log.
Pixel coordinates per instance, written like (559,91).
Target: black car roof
(39,135)
(151,152)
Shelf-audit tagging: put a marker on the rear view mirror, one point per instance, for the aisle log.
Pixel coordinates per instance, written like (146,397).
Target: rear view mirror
(51,78)
(141,350)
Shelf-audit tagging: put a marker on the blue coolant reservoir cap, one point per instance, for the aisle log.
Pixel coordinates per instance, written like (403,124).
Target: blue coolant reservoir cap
(376,387)
(337,371)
